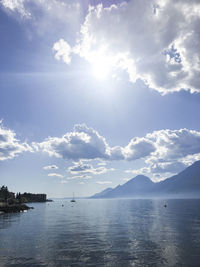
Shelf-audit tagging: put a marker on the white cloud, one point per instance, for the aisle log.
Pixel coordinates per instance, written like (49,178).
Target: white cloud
(81,168)
(143,171)
(174,151)
(50,167)
(55,175)
(63,51)
(10,147)
(82,143)
(163,150)
(170,167)
(46,15)
(174,144)
(103,182)
(156,41)
(85,143)
(17,6)
(139,148)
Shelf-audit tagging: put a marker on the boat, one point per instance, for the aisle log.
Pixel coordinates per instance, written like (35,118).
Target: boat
(73,200)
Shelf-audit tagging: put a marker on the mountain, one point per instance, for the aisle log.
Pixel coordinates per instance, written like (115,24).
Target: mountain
(102,193)
(184,184)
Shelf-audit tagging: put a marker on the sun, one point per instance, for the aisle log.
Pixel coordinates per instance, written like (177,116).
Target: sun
(100,70)
(101,64)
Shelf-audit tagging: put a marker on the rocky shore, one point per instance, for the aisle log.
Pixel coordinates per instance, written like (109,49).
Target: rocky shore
(14,208)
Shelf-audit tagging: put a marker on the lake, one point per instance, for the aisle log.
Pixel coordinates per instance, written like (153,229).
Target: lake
(99,232)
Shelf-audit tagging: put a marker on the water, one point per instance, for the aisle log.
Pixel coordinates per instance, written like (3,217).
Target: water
(112,232)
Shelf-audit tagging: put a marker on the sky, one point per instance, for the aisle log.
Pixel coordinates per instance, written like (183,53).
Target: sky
(93,93)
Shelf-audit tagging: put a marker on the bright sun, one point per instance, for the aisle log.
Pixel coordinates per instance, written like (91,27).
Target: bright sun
(100,70)
(101,65)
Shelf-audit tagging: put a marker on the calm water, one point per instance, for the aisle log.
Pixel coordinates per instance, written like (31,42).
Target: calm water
(103,233)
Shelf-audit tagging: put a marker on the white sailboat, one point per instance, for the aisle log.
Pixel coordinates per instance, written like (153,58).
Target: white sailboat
(73,200)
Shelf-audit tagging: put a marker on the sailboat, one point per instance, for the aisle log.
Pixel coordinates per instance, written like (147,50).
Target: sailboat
(73,200)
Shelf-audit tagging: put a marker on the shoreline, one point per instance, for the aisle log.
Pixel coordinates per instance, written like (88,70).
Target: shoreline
(14,208)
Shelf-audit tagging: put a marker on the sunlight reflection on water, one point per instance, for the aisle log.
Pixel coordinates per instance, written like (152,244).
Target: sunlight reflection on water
(119,232)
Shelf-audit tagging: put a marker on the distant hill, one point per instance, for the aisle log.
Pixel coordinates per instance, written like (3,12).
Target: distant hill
(102,193)
(184,184)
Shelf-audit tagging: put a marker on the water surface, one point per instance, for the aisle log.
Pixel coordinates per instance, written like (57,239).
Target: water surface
(115,232)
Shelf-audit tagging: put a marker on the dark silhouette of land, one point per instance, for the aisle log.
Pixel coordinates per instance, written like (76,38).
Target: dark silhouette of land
(11,202)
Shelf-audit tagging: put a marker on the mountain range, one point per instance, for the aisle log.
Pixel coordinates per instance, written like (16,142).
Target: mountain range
(185,184)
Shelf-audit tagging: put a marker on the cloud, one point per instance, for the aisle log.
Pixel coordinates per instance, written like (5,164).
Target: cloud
(103,182)
(174,144)
(102,163)
(16,6)
(55,175)
(10,147)
(81,168)
(144,171)
(63,51)
(162,49)
(46,15)
(174,151)
(85,143)
(170,167)
(139,148)
(82,143)
(163,150)
(50,167)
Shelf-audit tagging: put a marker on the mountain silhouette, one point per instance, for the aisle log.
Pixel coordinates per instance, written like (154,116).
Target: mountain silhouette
(186,184)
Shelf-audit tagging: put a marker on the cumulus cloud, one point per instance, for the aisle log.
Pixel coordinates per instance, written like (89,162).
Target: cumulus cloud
(163,151)
(139,148)
(55,175)
(82,143)
(85,143)
(169,167)
(174,144)
(10,147)
(50,167)
(174,151)
(156,41)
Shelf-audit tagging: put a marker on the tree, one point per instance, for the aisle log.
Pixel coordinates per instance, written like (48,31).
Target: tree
(4,192)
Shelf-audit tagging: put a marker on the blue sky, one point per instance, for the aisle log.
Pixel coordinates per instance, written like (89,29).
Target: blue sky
(93,93)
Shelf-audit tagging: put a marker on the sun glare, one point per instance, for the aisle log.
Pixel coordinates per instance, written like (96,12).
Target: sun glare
(101,64)
(100,70)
